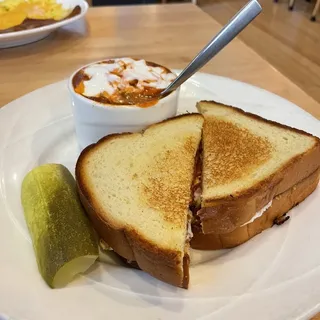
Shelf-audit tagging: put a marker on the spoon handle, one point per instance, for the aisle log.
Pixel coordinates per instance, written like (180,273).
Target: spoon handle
(226,34)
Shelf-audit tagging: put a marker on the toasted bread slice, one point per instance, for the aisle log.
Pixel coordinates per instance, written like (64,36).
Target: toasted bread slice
(247,161)
(275,214)
(136,189)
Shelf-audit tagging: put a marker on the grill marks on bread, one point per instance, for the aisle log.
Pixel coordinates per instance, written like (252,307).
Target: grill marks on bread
(164,189)
(244,153)
(232,151)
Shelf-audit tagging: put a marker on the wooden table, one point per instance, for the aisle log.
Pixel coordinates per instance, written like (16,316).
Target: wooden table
(167,34)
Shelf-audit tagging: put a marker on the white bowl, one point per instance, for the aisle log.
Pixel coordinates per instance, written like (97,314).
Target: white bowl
(94,120)
(17,38)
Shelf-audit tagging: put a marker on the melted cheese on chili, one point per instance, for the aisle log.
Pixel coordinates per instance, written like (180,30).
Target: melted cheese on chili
(123,81)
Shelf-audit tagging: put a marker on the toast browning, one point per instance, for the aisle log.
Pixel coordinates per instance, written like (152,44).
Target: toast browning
(247,161)
(136,189)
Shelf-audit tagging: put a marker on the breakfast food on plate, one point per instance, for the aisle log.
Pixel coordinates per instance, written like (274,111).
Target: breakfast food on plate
(123,81)
(252,172)
(136,190)
(63,239)
(119,95)
(18,15)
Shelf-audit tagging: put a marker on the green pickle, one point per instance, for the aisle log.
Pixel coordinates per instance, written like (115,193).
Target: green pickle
(63,239)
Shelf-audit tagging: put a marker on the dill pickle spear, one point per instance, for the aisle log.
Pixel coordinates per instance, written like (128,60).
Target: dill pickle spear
(63,239)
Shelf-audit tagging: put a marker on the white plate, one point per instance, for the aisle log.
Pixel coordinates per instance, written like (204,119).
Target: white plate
(13,39)
(276,275)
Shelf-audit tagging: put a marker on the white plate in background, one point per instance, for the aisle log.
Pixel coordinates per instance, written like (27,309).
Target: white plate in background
(17,38)
(274,276)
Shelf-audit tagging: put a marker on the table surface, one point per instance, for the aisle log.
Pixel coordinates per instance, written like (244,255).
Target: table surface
(168,34)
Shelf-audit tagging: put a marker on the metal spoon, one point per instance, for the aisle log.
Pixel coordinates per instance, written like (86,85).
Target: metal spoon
(226,34)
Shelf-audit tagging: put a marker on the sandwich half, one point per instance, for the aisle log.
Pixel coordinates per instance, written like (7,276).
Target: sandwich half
(251,172)
(136,189)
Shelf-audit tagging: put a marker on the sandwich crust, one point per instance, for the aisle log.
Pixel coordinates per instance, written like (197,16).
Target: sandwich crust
(281,204)
(168,265)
